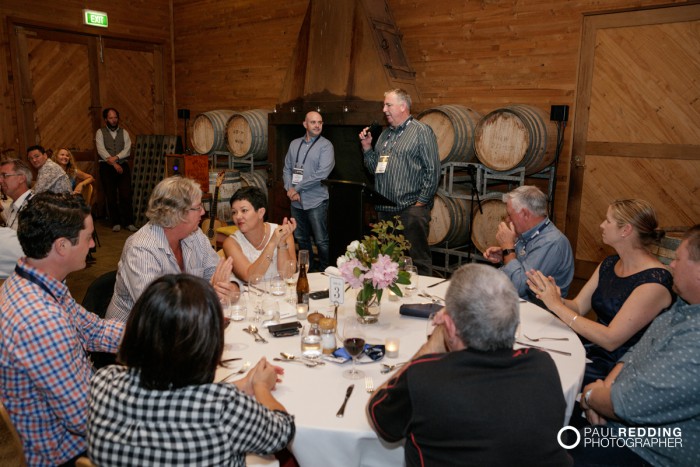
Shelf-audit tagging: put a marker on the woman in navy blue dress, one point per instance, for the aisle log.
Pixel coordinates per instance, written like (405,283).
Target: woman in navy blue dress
(627,290)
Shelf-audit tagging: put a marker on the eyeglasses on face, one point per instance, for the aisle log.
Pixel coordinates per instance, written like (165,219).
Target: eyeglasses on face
(196,208)
(4,176)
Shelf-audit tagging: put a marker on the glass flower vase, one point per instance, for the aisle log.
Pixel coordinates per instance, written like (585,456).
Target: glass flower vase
(367,309)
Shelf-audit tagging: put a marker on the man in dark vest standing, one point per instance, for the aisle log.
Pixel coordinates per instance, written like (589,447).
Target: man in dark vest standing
(114,147)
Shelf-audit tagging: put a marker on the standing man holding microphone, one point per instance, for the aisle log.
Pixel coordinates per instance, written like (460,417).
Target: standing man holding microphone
(406,169)
(309,161)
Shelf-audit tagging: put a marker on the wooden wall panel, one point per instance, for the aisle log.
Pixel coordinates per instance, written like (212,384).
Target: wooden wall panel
(637,67)
(140,21)
(608,178)
(60,69)
(481,54)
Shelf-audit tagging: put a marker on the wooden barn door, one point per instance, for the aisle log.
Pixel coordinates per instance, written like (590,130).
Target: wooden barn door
(636,129)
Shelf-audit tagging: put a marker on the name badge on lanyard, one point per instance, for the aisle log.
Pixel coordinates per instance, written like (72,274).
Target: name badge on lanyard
(297,175)
(382,163)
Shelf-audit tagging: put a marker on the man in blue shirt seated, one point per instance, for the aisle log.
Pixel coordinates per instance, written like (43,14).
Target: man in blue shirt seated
(528,240)
(650,401)
(468,398)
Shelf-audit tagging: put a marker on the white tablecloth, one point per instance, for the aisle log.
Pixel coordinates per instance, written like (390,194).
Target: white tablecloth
(314,395)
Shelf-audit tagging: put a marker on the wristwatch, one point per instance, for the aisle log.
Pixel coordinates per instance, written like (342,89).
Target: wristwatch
(507,251)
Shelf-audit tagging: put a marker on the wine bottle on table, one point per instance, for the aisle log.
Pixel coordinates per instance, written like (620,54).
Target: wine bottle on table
(303,281)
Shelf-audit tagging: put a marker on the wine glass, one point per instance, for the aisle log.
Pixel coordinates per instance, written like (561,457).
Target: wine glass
(405,261)
(412,286)
(289,274)
(256,283)
(354,343)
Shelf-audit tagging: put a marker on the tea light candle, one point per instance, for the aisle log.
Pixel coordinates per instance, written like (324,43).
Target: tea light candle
(302,310)
(391,347)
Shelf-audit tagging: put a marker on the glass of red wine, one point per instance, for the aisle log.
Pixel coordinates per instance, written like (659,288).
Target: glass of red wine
(354,344)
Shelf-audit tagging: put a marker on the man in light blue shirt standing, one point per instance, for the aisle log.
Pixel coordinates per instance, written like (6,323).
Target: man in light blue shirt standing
(309,161)
(530,240)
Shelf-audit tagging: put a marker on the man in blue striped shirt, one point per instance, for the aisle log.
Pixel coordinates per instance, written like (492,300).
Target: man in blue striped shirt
(406,169)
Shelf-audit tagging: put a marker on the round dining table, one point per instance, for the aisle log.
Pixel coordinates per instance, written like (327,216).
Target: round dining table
(314,394)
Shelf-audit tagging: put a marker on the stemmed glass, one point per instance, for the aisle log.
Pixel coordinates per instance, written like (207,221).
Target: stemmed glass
(354,343)
(256,283)
(289,274)
(412,287)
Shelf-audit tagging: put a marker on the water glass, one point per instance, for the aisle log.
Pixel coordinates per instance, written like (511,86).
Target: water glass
(270,310)
(277,286)
(238,310)
(405,261)
(311,341)
(412,287)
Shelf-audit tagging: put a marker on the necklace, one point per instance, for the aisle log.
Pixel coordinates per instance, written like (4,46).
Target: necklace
(264,237)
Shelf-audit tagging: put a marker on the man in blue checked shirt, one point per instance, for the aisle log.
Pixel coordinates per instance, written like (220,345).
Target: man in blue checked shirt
(406,169)
(44,334)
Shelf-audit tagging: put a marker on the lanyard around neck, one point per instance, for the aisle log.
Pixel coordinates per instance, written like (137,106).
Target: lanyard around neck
(296,163)
(25,275)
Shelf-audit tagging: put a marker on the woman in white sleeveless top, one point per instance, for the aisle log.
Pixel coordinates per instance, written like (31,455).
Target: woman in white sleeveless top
(257,247)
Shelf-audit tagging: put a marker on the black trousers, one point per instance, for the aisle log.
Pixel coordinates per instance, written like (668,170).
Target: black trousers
(117,190)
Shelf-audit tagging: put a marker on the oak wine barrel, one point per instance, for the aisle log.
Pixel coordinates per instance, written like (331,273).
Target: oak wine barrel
(209,131)
(454,127)
(516,136)
(449,219)
(247,134)
(485,223)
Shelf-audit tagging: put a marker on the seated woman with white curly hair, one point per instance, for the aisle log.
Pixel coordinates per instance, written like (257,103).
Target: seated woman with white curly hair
(170,243)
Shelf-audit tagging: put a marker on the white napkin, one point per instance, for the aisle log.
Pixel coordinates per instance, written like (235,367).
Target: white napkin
(333,271)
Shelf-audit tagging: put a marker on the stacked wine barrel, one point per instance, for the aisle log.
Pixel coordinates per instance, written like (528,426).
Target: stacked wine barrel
(505,139)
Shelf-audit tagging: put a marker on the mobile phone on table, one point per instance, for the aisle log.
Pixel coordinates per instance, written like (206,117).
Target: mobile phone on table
(285,329)
(320,295)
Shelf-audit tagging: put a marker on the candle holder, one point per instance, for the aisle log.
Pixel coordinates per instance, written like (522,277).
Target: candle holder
(391,347)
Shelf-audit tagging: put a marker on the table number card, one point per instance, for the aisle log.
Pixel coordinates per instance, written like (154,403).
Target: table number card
(336,293)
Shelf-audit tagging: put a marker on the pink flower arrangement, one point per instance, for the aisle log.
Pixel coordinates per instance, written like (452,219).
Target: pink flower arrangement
(372,264)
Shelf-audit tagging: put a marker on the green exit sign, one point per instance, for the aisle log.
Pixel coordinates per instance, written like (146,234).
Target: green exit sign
(95,18)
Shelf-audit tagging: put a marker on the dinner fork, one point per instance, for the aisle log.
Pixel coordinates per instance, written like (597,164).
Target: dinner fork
(537,339)
(369,384)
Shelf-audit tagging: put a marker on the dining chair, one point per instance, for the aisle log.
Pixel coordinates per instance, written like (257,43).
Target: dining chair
(83,461)
(11,452)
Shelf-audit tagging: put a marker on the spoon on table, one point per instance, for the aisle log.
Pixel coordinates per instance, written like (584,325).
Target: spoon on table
(289,356)
(254,330)
(246,330)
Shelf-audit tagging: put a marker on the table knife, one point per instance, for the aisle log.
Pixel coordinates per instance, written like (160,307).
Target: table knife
(348,392)
(543,348)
